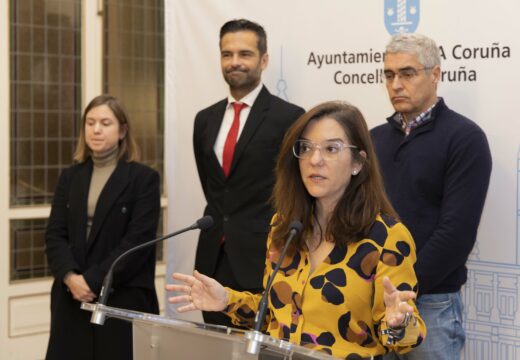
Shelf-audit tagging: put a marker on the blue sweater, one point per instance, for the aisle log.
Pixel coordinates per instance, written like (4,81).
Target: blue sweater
(437,179)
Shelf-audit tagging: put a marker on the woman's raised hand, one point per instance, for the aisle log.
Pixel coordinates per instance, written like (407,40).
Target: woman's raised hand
(200,292)
(396,303)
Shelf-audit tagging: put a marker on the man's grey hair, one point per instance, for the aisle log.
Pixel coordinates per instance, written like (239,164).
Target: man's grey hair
(423,47)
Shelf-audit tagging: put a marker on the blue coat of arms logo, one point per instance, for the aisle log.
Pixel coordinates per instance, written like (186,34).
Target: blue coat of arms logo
(401,16)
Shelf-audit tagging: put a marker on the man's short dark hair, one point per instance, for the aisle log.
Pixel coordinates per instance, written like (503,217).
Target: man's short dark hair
(246,25)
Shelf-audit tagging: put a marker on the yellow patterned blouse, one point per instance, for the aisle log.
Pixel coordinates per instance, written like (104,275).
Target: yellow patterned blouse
(339,307)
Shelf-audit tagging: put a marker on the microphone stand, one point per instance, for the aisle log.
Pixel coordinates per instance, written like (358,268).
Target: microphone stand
(255,336)
(98,316)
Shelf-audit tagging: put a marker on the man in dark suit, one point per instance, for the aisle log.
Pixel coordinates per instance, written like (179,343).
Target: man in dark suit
(236,142)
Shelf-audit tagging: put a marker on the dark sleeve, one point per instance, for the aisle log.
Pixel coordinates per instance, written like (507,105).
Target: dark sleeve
(142,227)
(465,187)
(59,256)
(297,113)
(198,143)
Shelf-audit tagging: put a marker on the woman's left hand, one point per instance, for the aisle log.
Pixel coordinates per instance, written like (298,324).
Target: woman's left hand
(396,303)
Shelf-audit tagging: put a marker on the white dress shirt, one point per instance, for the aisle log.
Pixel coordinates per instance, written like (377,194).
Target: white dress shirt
(229,115)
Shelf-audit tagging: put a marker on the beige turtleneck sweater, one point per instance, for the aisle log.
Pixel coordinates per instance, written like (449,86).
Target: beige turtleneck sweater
(103,167)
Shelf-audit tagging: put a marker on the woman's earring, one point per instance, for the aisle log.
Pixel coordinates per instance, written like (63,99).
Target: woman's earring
(354,172)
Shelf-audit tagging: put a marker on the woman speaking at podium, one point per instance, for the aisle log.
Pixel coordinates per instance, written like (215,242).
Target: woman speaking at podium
(103,205)
(347,285)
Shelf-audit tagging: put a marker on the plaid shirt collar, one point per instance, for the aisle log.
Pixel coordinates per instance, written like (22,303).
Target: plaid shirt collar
(422,118)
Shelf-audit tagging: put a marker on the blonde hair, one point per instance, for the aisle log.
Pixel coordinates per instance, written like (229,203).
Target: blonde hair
(128,148)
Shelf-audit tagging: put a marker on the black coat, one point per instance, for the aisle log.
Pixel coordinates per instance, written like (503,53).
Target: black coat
(126,215)
(239,203)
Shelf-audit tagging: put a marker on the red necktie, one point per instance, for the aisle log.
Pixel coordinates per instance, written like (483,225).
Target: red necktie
(231,140)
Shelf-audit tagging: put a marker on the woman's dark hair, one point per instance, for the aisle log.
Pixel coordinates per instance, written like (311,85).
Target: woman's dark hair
(127,146)
(363,200)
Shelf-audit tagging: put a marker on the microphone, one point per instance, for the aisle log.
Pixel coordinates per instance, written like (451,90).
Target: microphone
(252,346)
(98,317)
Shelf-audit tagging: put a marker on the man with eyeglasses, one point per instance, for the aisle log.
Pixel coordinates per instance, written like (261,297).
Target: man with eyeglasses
(236,142)
(436,165)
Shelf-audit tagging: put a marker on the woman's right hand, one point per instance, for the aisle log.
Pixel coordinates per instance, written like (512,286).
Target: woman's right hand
(200,292)
(79,287)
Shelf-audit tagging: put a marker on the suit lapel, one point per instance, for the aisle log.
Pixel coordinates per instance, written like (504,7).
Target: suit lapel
(115,185)
(78,198)
(214,123)
(255,118)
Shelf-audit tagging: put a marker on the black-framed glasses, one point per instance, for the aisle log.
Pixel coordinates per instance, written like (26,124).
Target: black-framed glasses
(404,74)
(329,150)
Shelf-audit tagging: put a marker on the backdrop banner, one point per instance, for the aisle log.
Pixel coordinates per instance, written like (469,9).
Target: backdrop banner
(333,50)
